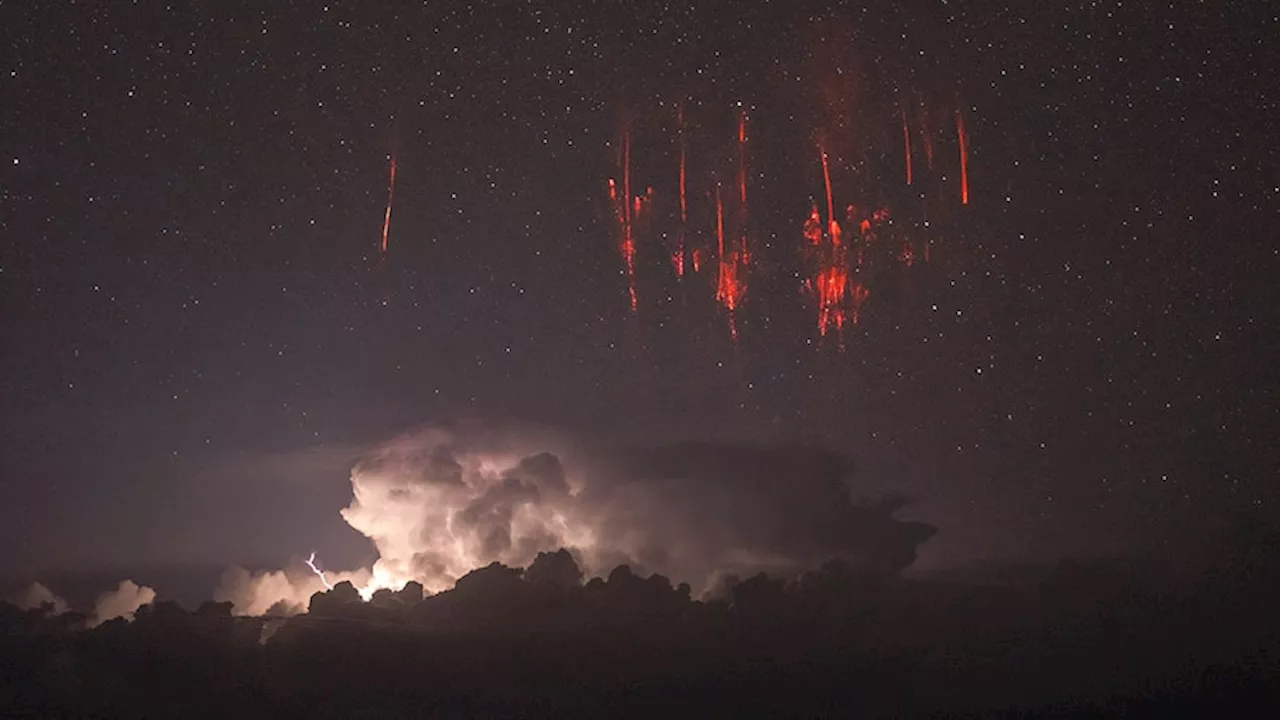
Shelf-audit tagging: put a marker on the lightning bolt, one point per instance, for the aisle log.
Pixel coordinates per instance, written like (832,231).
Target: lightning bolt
(311,563)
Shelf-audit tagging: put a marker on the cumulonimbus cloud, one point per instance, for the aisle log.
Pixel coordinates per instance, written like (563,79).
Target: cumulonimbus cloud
(444,500)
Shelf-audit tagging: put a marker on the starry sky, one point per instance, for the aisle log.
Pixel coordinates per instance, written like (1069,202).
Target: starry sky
(200,326)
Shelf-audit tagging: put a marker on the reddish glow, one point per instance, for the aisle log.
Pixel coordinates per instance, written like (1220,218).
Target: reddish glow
(858,294)
(844,255)
(926,135)
(864,238)
(684,205)
(391,192)
(906,139)
(834,284)
(964,158)
(742,187)
(832,275)
(625,203)
(813,226)
(831,217)
(742,158)
(830,287)
(678,256)
(625,208)
(720,241)
(626,171)
(839,300)
(733,260)
(729,285)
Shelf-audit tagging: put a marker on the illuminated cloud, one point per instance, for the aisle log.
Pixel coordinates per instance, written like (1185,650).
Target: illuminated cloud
(442,501)
(122,602)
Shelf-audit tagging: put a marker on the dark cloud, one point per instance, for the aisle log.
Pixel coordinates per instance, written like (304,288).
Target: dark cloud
(706,507)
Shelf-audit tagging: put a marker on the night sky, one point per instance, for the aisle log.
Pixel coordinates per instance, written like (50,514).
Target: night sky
(200,330)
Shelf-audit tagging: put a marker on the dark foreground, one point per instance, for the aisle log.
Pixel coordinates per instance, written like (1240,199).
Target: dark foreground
(1077,642)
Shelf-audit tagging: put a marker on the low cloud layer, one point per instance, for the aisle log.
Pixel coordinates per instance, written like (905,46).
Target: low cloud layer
(445,500)
(122,602)
(37,596)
